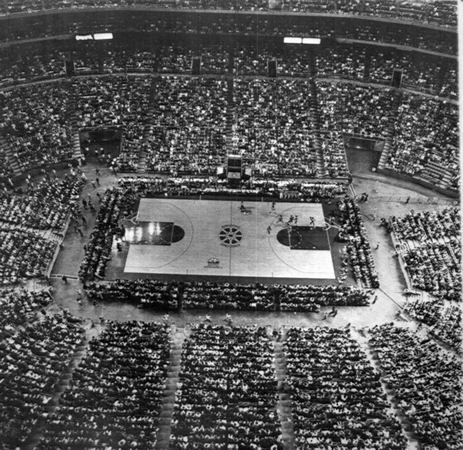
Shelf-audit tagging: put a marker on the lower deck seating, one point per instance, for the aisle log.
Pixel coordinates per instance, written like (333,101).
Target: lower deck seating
(115,206)
(425,143)
(228,392)
(429,243)
(272,127)
(33,358)
(444,321)
(358,247)
(36,121)
(115,394)
(425,384)
(337,398)
(44,206)
(362,111)
(188,126)
(171,295)
(17,306)
(24,254)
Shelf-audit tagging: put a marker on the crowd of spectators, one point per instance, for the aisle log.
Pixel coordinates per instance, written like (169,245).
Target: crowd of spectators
(160,58)
(176,295)
(121,202)
(365,112)
(188,125)
(429,243)
(443,225)
(426,39)
(291,61)
(125,61)
(327,118)
(436,11)
(443,320)
(431,74)
(425,141)
(30,65)
(24,254)
(301,191)
(273,128)
(154,294)
(33,220)
(135,117)
(254,297)
(104,101)
(33,358)
(118,103)
(362,111)
(436,268)
(35,122)
(420,72)
(18,305)
(115,394)
(36,64)
(40,64)
(341,62)
(268,123)
(45,205)
(174,59)
(309,298)
(425,384)
(358,248)
(116,205)
(215,59)
(227,396)
(337,397)
(251,61)
(244,24)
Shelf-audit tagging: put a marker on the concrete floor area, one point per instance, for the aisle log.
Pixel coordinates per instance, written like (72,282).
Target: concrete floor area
(386,197)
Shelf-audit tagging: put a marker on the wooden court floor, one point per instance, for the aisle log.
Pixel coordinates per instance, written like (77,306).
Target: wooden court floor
(229,239)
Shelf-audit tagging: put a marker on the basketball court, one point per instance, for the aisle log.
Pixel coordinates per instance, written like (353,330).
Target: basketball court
(229,239)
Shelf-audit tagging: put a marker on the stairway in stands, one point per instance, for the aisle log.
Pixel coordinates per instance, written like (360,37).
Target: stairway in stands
(231,147)
(436,174)
(440,173)
(149,131)
(367,69)
(314,111)
(142,154)
(168,398)
(284,398)
(361,336)
(388,144)
(315,126)
(74,119)
(63,384)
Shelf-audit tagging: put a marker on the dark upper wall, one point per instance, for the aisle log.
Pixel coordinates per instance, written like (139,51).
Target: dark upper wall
(438,12)
(265,25)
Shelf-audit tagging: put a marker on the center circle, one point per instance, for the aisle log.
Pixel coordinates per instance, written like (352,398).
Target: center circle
(230,235)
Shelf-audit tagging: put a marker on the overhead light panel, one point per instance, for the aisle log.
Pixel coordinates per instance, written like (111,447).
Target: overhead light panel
(292,40)
(84,37)
(311,41)
(102,36)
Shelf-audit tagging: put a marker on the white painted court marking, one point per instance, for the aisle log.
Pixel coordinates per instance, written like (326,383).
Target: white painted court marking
(258,254)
